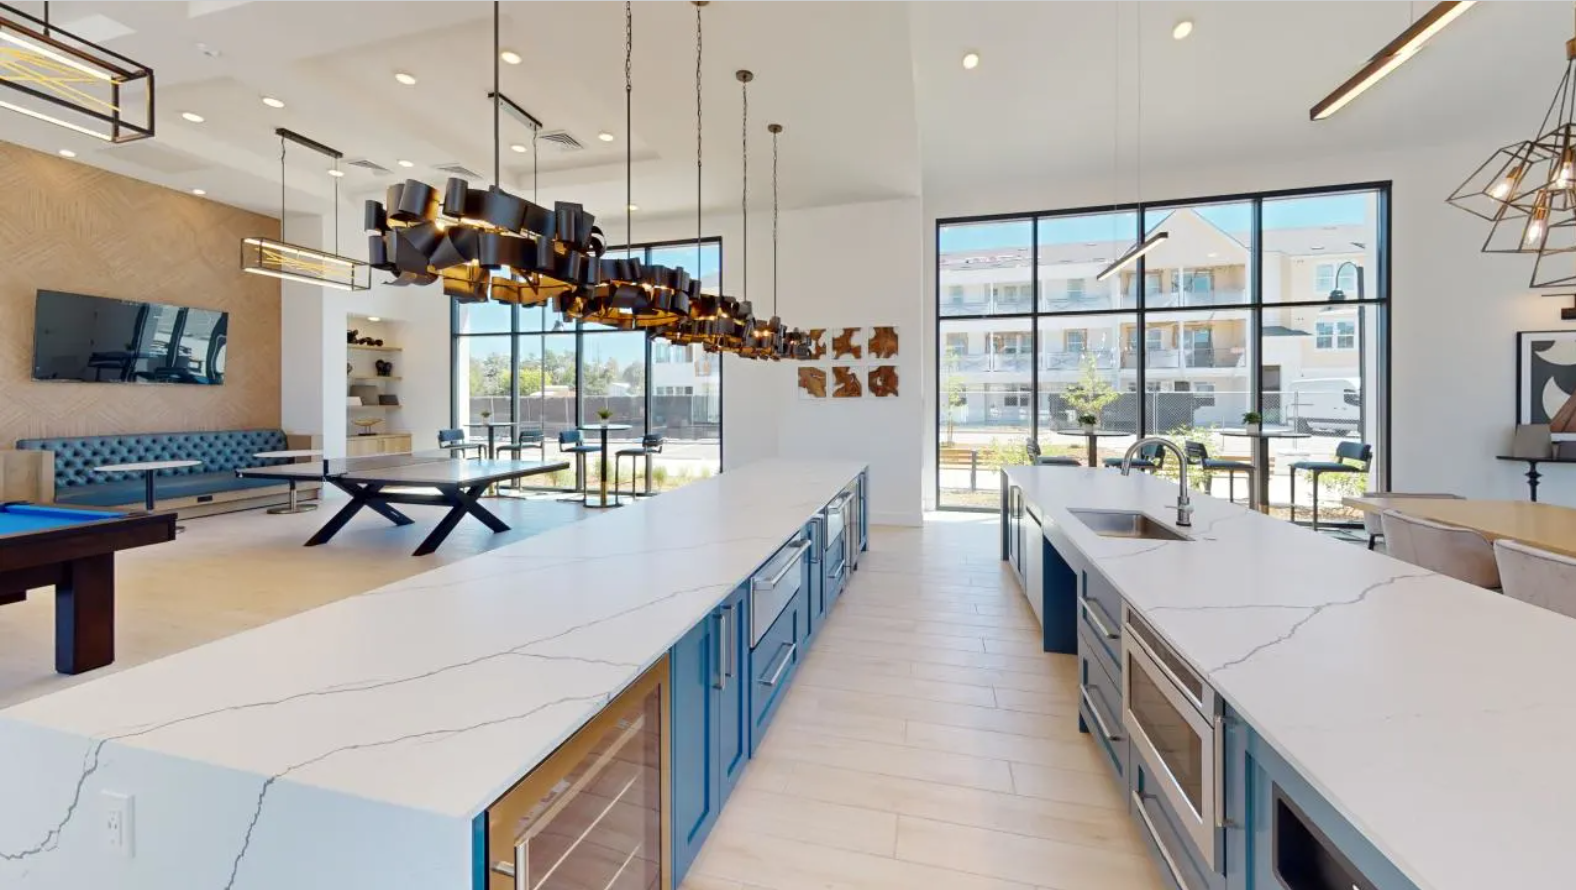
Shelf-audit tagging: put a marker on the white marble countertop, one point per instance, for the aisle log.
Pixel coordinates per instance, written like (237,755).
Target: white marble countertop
(438,692)
(1437,717)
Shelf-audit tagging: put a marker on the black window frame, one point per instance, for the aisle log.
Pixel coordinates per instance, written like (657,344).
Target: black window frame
(1255,306)
(580,332)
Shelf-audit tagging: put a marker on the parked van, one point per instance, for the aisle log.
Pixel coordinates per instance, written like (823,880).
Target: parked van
(1321,405)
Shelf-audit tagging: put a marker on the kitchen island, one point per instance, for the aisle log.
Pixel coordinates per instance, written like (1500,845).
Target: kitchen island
(361,744)
(1287,710)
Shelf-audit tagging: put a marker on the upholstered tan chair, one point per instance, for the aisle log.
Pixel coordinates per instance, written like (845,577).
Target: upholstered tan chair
(1371,523)
(1537,576)
(1461,553)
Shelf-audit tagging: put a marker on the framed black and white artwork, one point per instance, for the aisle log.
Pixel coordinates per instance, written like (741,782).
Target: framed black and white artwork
(1546,381)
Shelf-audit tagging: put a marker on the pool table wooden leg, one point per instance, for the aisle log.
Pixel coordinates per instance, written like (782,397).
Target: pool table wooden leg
(85,614)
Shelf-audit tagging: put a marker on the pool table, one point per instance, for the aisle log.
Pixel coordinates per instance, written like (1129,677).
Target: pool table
(73,548)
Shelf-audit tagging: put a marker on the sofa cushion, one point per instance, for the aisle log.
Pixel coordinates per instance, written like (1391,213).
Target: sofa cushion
(221,451)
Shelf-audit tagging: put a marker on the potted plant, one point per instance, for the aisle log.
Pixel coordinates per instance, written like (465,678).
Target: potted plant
(486,415)
(605,413)
(1251,421)
(1088,421)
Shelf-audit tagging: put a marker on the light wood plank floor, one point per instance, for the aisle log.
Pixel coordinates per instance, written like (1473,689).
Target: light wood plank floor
(237,571)
(928,744)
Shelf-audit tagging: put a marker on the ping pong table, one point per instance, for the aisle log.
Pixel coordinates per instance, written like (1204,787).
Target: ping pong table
(434,479)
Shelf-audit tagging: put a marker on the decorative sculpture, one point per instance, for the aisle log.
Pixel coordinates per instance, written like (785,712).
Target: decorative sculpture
(883,381)
(883,342)
(843,345)
(846,383)
(813,382)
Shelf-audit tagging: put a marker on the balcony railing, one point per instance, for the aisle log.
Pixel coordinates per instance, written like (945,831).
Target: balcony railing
(1187,357)
(1073,360)
(1194,297)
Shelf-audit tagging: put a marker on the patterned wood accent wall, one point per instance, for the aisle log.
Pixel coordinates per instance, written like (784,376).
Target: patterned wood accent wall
(70,227)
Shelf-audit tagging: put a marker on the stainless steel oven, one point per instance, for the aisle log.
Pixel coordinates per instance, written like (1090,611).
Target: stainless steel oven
(1174,720)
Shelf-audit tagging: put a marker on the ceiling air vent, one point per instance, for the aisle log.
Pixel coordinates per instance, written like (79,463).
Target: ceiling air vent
(563,140)
(459,170)
(365,164)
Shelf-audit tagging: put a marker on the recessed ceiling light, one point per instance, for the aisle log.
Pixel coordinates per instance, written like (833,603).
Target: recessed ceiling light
(373,318)
(336,173)
(1317,247)
(634,207)
(67,153)
(605,136)
(971,61)
(519,148)
(209,51)
(199,192)
(510,56)
(1182,29)
(1212,255)
(193,116)
(406,79)
(407,164)
(271,102)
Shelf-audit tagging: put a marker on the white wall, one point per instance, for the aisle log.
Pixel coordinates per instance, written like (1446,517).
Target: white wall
(846,265)
(1454,316)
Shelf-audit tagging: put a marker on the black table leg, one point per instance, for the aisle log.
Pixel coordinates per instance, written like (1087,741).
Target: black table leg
(85,614)
(1532,479)
(360,496)
(464,502)
(1261,475)
(147,488)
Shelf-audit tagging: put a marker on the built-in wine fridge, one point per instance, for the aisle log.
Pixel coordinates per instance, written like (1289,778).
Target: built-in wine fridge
(591,816)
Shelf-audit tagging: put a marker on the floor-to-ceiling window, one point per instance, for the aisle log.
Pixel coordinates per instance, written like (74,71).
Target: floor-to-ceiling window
(1273,303)
(530,367)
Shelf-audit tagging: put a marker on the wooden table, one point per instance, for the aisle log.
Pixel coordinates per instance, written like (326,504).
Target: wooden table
(1538,525)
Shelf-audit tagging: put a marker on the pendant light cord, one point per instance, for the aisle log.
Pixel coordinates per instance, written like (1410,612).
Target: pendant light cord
(699,238)
(775,130)
(744,140)
(497,101)
(629,137)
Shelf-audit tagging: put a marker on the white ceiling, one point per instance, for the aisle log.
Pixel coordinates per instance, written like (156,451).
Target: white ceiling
(873,95)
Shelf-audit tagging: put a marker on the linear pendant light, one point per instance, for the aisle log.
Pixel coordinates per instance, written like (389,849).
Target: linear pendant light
(1132,255)
(485,243)
(293,262)
(1154,239)
(633,295)
(59,78)
(1392,56)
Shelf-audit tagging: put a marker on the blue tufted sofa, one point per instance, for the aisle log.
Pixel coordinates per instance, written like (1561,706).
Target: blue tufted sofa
(221,452)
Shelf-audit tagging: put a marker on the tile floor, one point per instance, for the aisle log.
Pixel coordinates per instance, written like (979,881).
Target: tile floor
(236,571)
(928,744)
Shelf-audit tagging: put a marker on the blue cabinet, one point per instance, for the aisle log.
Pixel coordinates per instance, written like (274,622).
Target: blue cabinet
(815,578)
(710,735)
(773,662)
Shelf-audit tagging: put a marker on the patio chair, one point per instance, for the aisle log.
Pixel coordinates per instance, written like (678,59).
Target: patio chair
(1151,457)
(1350,457)
(454,440)
(1198,455)
(1047,460)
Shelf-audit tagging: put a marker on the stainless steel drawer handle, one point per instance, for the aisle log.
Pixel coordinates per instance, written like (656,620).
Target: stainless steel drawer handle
(721,654)
(840,500)
(1099,719)
(793,561)
(1165,669)
(1154,835)
(1090,609)
(785,658)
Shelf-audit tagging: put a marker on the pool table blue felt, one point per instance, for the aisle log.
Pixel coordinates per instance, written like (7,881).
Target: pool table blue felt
(22,518)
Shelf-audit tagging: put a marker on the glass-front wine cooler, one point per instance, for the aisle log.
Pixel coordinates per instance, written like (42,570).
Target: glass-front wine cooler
(591,816)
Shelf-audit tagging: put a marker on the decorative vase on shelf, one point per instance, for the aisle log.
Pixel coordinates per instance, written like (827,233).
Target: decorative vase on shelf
(366,424)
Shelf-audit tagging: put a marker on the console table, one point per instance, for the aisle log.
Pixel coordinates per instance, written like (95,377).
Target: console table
(1532,469)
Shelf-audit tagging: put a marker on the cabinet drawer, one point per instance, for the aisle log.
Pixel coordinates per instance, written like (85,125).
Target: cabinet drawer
(1101,626)
(1100,708)
(1180,866)
(773,662)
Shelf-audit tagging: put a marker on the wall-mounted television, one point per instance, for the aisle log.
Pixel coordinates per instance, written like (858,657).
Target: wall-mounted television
(100,340)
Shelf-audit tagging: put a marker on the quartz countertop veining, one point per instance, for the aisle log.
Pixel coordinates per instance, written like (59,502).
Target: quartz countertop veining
(438,692)
(1437,717)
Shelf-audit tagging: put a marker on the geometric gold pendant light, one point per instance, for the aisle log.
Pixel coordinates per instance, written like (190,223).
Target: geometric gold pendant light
(1527,190)
(54,76)
(294,262)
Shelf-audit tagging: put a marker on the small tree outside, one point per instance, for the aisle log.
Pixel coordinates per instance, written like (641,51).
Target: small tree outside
(956,395)
(1092,392)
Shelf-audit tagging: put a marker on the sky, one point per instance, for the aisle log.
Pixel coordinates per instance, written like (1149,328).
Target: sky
(1236,218)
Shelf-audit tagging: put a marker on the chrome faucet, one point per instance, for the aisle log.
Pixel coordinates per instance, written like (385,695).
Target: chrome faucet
(1184,504)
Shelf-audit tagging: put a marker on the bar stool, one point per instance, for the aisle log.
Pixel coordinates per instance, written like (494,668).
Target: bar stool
(574,442)
(454,440)
(1350,457)
(1198,455)
(650,444)
(1044,460)
(528,439)
(1151,457)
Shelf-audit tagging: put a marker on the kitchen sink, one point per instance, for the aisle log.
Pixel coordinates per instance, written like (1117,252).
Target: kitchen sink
(1126,524)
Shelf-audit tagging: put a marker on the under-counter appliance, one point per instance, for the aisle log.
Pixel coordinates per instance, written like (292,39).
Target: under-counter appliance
(1175,722)
(854,505)
(591,814)
(841,540)
(775,585)
(1305,857)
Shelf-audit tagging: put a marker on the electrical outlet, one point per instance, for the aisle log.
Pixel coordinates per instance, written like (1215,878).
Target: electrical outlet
(117,822)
